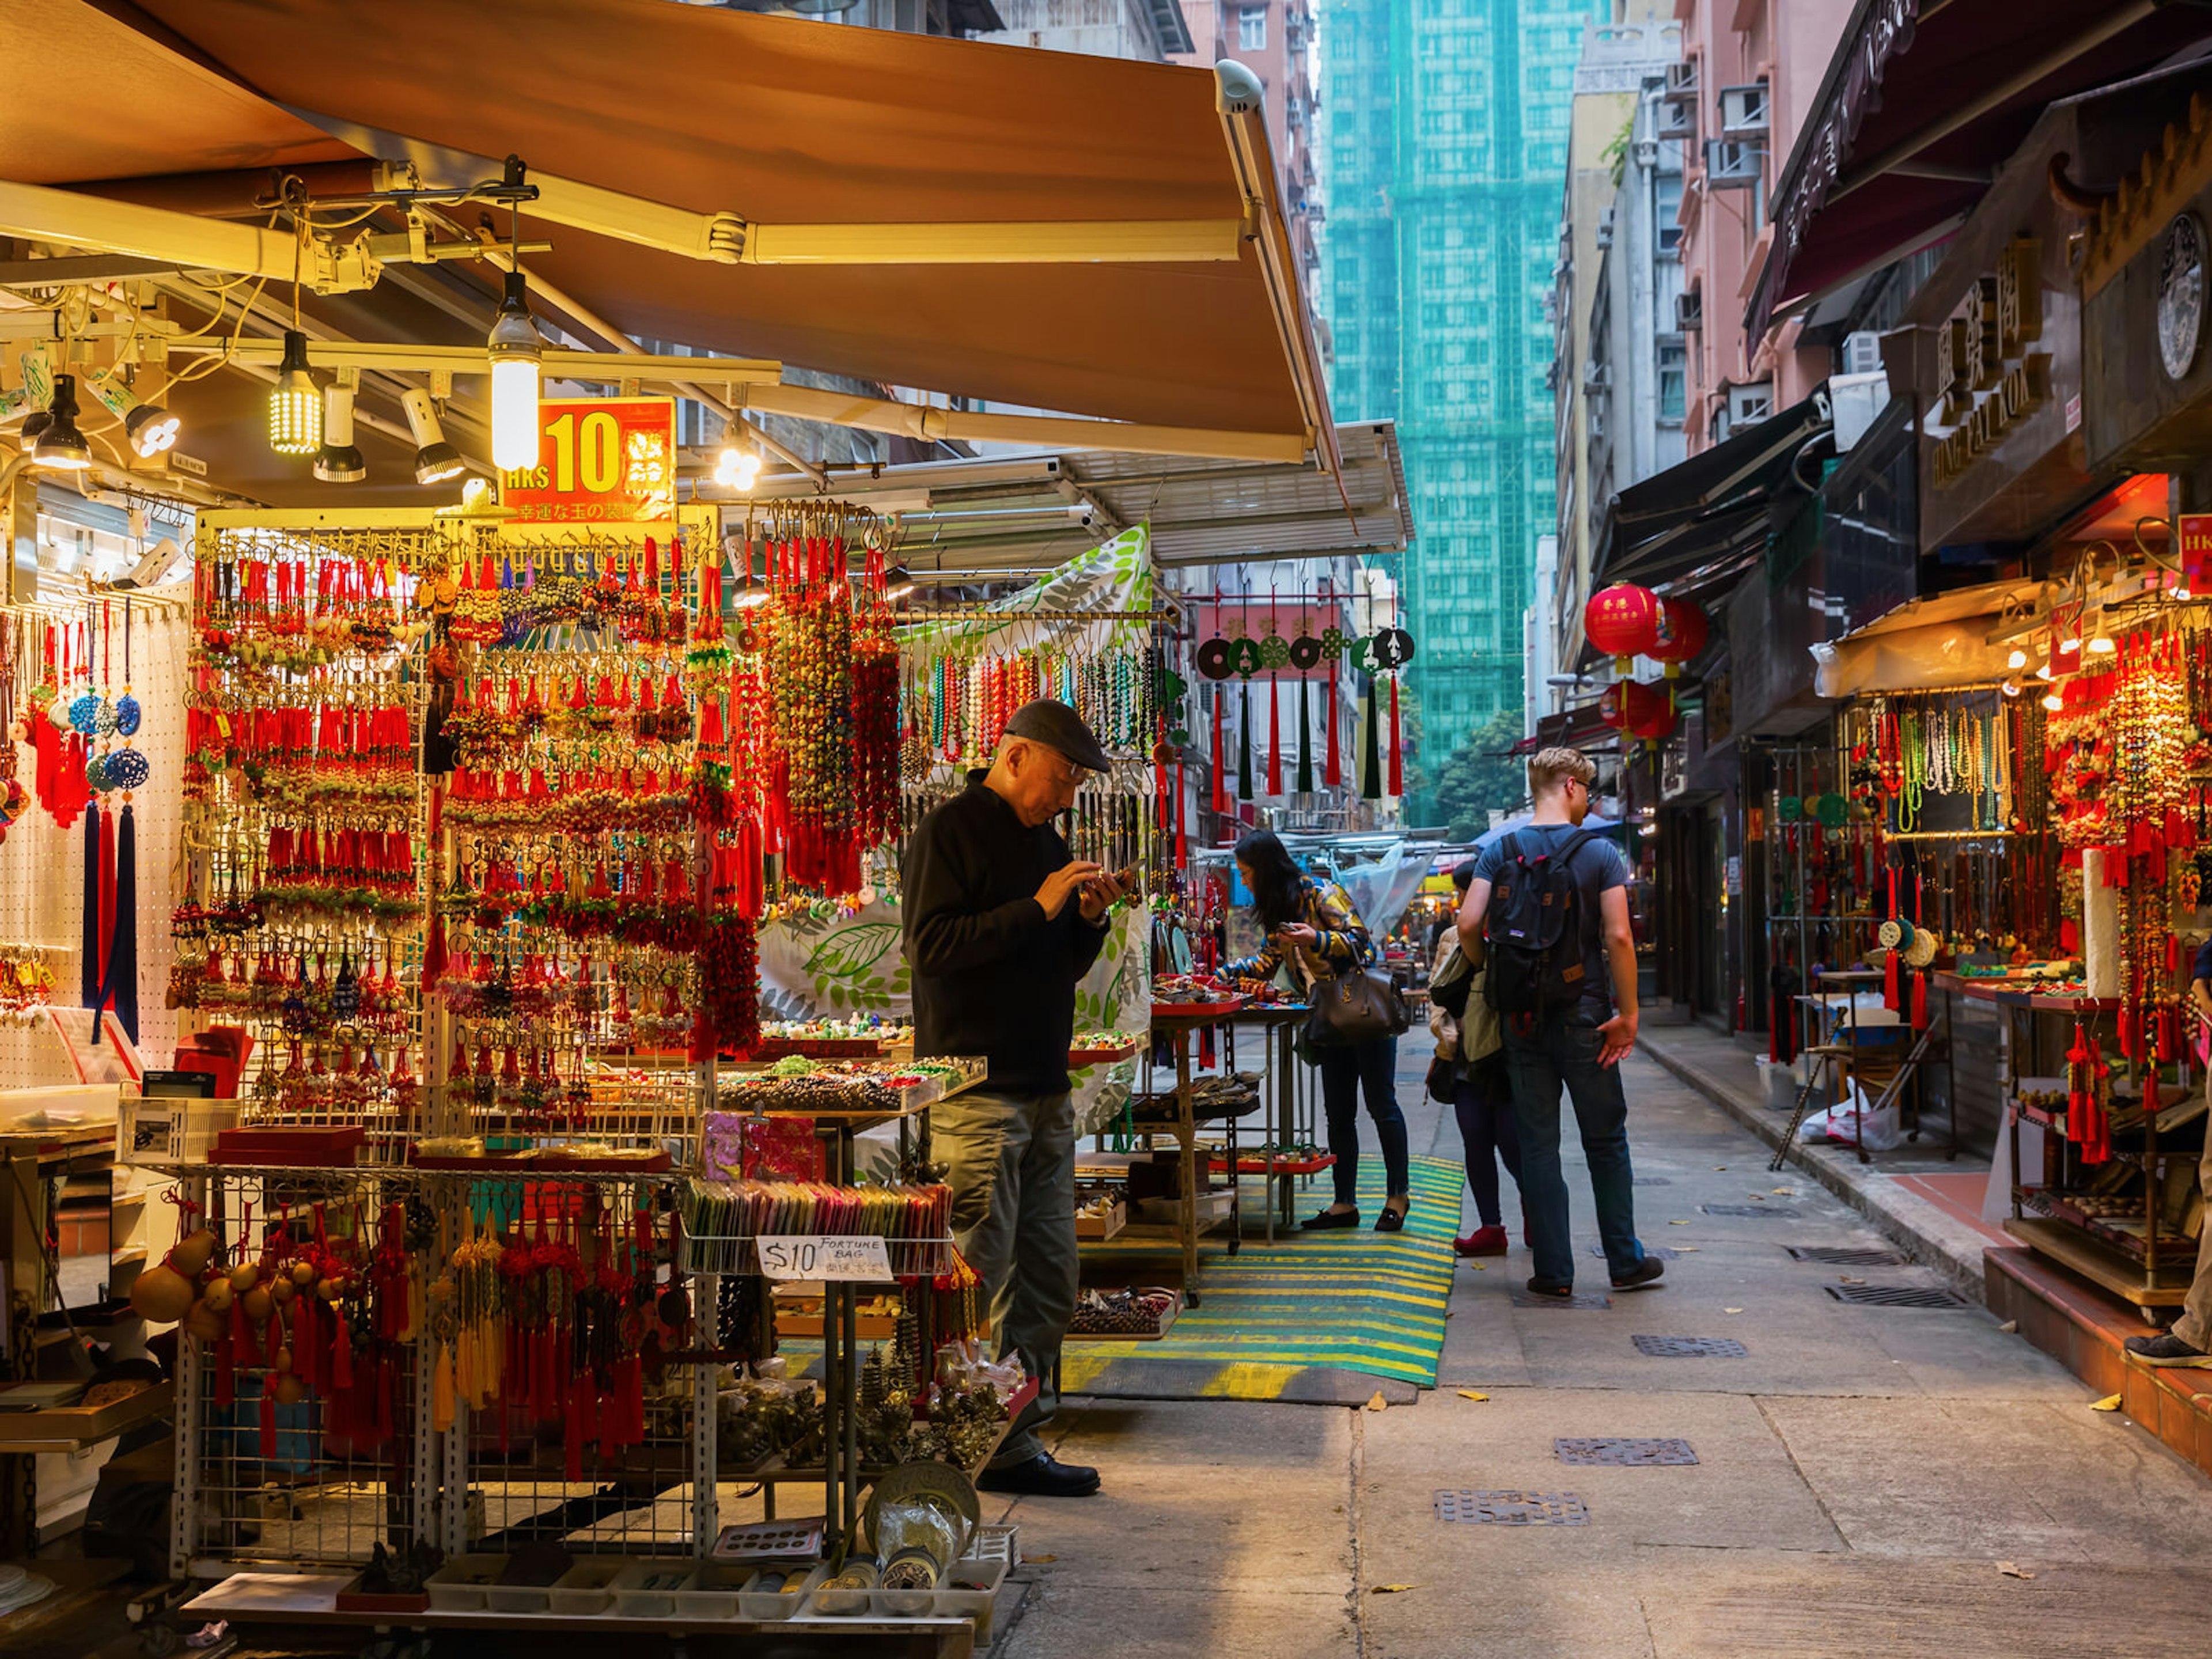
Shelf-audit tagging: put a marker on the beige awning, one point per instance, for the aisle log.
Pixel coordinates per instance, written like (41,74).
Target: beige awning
(797,127)
(1924,645)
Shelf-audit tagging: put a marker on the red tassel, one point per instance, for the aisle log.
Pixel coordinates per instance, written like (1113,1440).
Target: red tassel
(1181,839)
(1920,1002)
(341,1371)
(1890,989)
(1397,770)
(1274,738)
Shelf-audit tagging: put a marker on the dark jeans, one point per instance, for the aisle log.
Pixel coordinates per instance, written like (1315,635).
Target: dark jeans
(1490,1132)
(1563,1051)
(1344,1070)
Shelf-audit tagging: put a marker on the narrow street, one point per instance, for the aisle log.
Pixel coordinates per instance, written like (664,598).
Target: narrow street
(1861,1472)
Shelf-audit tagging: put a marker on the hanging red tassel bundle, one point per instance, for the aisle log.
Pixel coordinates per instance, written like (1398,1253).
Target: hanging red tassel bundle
(1920,1002)
(1220,762)
(1274,738)
(1333,774)
(1891,991)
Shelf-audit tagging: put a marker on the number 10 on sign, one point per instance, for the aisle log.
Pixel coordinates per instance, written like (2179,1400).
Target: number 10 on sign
(603,460)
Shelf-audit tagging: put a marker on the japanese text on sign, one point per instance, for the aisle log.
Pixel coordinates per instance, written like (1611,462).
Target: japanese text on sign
(818,1256)
(600,460)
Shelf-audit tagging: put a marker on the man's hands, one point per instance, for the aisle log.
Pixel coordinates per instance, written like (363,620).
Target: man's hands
(1100,892)
(1619,1035)
(1062,885)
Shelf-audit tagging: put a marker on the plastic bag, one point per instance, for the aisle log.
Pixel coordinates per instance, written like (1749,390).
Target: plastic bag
(1883,1130)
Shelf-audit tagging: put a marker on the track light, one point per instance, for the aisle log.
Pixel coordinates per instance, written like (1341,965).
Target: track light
(60,446)
(517,352)
(339,460)
(739,466)
(296,402)
(151,429)
(2043,668)
(2017,659)
(2011,688)
(435,460)
(2054,702)
(898,585)
(2100,643)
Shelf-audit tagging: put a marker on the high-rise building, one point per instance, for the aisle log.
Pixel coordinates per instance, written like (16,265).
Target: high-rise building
(1444,128)
(1152,29)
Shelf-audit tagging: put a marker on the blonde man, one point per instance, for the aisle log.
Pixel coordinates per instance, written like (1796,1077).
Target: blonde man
(1569,1032)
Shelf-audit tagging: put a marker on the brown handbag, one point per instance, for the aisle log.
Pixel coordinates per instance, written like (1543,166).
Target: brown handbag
(1357,1006)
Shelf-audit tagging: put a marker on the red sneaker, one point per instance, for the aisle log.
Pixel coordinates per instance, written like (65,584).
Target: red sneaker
(1483,1241)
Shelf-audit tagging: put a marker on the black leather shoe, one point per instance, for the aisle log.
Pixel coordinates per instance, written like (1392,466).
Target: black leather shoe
(1041,1477)
(1322,1220)
(1562,1289)
(1644,1275)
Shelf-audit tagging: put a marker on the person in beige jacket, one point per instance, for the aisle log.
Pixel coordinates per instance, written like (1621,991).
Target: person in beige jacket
(1469,1071)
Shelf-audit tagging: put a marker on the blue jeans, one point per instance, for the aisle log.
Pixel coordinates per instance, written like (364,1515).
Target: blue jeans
(1345,1070)
(1565,1049)
(1489,1134)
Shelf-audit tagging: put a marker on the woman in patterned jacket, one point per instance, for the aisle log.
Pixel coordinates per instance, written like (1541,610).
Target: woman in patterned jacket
(1312,926)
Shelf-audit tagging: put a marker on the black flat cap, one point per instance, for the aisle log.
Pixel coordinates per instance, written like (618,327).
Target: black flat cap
(1056,725)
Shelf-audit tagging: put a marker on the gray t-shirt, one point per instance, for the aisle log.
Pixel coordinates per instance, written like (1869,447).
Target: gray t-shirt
(1598,866)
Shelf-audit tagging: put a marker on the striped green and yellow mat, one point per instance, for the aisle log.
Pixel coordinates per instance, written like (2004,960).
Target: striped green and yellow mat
(1316,1316)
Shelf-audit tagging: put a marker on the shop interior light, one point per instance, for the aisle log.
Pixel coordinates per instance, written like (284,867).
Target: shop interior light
(739,466)
(2017,659)
(2012,688)
(517,352)
(898,585)
(2054,702)
(151,429)
(60,446)
(435,460)
(2100,643)
(2043,669)
(339,460)
(296,402)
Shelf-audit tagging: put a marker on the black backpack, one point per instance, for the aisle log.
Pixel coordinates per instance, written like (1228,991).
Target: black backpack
(1535,930)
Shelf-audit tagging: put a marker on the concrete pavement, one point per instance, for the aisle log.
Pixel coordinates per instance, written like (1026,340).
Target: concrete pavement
(1861,1471)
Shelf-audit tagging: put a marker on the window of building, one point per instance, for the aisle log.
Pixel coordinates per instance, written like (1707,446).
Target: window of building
(1668,206)
(1252,28)
(1674,380)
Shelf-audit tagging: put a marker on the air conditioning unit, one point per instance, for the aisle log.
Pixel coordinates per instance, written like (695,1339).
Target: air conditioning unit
(1690,312)
(1595,376)
(1748,405)
(1732,164)
(1605,228)
(1743,111)
(1677,116)
(1682,78)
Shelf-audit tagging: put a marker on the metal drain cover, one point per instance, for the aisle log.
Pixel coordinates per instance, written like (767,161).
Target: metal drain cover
(1690,1347)
(1624,1453)
(1836,1256)
(1779,1210)
(1653,1181)
(1512,1509)
(1579,1299)
(1660,1250)
(1895,1295)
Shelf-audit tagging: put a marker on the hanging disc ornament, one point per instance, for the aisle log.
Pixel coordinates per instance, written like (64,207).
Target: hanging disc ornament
(1275,651)
(95,775)
(1215,659)
(127,715)
(1790,808)
(1333,641)
(1361,653)
(1921,951)
(104,718)
(1835,811)
(1305,652)
(84,714)
(1392,647)
(125,769)
(1246,657)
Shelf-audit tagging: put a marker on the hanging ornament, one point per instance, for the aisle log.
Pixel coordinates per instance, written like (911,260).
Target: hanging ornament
(1397,764)
(1642,711)
(1244,741)
(1391,648)
(1370,761)
(1220,762)
(1333,770)
(1274,738)
(1682,632)
(1305,741)
(1623,621)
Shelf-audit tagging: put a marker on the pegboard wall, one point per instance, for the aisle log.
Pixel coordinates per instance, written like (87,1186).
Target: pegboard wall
(42,865)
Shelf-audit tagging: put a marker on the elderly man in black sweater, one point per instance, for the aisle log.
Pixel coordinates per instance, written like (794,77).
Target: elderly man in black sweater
(1001,926)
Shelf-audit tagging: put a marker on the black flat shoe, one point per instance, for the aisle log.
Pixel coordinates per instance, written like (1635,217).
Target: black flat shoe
(1327,1219)
(1041,1476)
(1392,1220)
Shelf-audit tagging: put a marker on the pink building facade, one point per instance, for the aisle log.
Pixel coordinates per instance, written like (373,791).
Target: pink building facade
(1273,39)
(1750,71)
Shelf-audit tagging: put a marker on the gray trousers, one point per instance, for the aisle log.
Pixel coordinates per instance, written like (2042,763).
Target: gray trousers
(1012,1176)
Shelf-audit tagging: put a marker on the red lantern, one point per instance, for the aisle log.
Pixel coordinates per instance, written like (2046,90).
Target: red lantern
(1683,630)
(1642,711)
(1623,621)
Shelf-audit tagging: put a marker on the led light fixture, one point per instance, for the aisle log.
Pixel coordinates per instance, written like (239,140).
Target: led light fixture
(296,402)
(2011,688)
(2017,659)
(2100,643)
(435,460)
(151,429)
(517,352)
(339,460)
(60,446)
(898,585)
(739,466)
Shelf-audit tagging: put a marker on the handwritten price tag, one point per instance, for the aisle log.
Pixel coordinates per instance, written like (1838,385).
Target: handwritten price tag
(812,1256)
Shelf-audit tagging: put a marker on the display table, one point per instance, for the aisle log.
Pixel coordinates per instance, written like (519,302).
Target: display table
(1279,1023)
(1194,1217)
